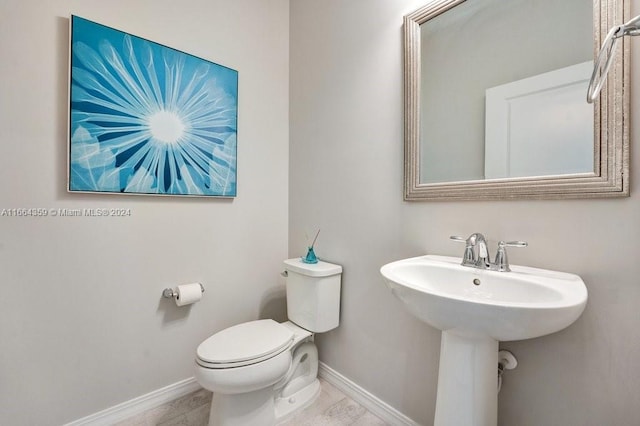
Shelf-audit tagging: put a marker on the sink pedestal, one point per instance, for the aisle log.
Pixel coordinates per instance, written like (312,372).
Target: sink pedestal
(467,381)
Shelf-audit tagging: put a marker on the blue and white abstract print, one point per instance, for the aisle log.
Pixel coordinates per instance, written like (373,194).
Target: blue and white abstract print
(148,119)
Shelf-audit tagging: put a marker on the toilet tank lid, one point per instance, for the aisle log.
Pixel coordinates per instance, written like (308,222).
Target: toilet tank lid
(320,269)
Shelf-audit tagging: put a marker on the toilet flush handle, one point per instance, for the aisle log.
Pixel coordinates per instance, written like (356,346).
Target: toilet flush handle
(285,274)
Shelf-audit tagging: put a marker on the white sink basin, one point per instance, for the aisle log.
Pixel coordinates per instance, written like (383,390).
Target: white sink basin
(475,309)
(521,304)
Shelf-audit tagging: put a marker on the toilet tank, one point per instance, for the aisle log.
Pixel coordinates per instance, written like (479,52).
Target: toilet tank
(313,294)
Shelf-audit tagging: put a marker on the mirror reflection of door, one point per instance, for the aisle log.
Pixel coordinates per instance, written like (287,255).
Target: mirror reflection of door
(540,126)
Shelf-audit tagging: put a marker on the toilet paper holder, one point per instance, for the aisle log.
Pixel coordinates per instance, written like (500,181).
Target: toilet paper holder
(171,293)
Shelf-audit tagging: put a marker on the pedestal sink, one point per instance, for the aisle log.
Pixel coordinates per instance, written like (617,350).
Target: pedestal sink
(475,309)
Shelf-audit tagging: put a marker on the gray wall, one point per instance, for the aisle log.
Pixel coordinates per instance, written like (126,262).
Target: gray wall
(83,326)
(346,178)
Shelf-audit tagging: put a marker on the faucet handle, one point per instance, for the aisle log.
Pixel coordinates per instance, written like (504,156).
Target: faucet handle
(502,262)
(469,257)
(512,244)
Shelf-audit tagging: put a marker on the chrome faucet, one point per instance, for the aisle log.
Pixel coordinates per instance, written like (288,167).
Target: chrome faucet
(476,252)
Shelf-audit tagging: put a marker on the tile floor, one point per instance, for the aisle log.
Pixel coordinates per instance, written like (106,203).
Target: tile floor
(331,408)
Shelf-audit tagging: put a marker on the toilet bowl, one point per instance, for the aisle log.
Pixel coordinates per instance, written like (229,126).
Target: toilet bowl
(261,372)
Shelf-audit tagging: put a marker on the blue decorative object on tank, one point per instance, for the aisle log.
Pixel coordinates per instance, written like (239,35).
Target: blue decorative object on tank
(310,257)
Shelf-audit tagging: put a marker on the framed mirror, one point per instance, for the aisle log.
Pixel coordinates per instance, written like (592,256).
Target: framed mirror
(495,101)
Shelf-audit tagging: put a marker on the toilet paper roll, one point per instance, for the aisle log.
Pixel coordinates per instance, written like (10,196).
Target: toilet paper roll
(188,294)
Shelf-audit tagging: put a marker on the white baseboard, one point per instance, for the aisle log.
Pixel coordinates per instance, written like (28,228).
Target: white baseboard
(169,393)
(139,405)
(369,401)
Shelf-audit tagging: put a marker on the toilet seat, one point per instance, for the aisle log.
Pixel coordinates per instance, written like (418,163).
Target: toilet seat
(244,344)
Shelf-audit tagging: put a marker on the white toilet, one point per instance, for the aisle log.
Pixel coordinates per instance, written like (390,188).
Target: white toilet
(261,372)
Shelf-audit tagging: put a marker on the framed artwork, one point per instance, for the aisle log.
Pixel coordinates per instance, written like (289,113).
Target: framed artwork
(148,119)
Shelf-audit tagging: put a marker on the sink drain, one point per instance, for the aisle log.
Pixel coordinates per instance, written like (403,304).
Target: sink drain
(476,281)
